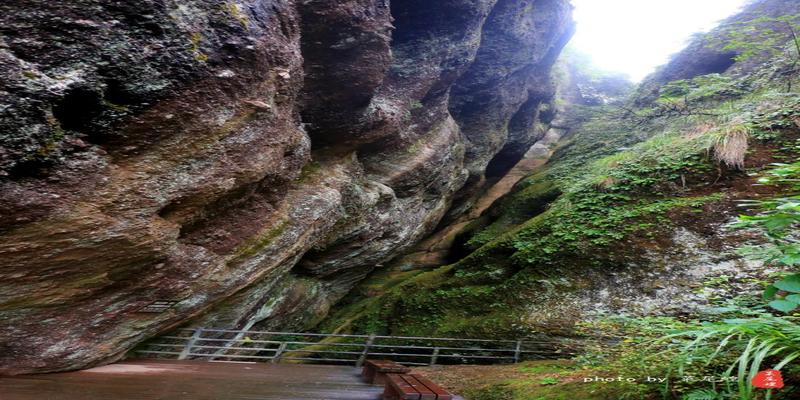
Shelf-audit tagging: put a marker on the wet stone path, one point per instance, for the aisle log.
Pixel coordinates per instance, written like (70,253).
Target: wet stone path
(167,380)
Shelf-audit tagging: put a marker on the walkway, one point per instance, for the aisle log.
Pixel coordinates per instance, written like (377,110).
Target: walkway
(168,380)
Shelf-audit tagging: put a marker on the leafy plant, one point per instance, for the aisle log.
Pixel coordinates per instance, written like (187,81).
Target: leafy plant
(760,336)
(755,340)
(762,34)
(702,88)
(790,300)
(763,37)
(778,221)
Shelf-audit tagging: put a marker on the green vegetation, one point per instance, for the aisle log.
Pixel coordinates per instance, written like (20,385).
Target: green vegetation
(752,341)
(535,380)
(196,38)
(616,179)
(309,171)
(741,342)
(764,337)
(712,87)
(778,221)
(717,357)
(763,37)
(260,242)
(629,193)
(235,11)
(621,184)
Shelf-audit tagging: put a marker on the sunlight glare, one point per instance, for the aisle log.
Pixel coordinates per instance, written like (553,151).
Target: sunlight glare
(636,36)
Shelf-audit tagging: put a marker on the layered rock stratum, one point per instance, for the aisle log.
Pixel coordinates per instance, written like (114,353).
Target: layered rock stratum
(246,162)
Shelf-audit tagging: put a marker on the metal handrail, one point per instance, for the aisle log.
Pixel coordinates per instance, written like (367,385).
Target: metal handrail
(362,336)
(218,348)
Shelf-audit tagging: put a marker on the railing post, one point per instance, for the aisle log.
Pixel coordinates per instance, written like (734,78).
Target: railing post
(188,349)
(517,351)
(365,353)
(434,356)
(278,353)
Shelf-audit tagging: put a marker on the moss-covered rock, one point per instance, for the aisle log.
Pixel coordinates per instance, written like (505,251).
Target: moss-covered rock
(629,216)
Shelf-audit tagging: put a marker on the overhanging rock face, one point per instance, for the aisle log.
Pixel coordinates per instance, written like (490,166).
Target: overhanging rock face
(242,162)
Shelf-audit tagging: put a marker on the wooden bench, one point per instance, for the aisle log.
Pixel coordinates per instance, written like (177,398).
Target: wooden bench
(375,371)
(413,387)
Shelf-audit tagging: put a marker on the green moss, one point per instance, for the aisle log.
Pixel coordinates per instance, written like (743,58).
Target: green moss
(196,38)
(309,171)
(526,389)
(546,367)
(258,243)
(528,202)
(552,379)
(416,147)
(618,195)
(235,11)
(368,314)
(52,141)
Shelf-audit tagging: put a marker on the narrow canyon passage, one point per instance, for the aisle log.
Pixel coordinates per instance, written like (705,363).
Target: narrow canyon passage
(612,175)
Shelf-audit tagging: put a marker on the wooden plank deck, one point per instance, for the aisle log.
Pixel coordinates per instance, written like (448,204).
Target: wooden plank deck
(195,380)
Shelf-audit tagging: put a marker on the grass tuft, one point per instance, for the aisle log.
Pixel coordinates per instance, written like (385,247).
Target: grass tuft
(731,144)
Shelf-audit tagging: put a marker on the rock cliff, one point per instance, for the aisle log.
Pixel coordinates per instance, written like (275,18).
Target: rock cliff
(246,162)
(632,213)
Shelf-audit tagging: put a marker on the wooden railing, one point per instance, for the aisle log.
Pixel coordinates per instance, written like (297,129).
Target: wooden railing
(236,345)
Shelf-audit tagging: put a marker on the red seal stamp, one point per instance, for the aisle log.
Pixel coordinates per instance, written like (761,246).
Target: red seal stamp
(768,379)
